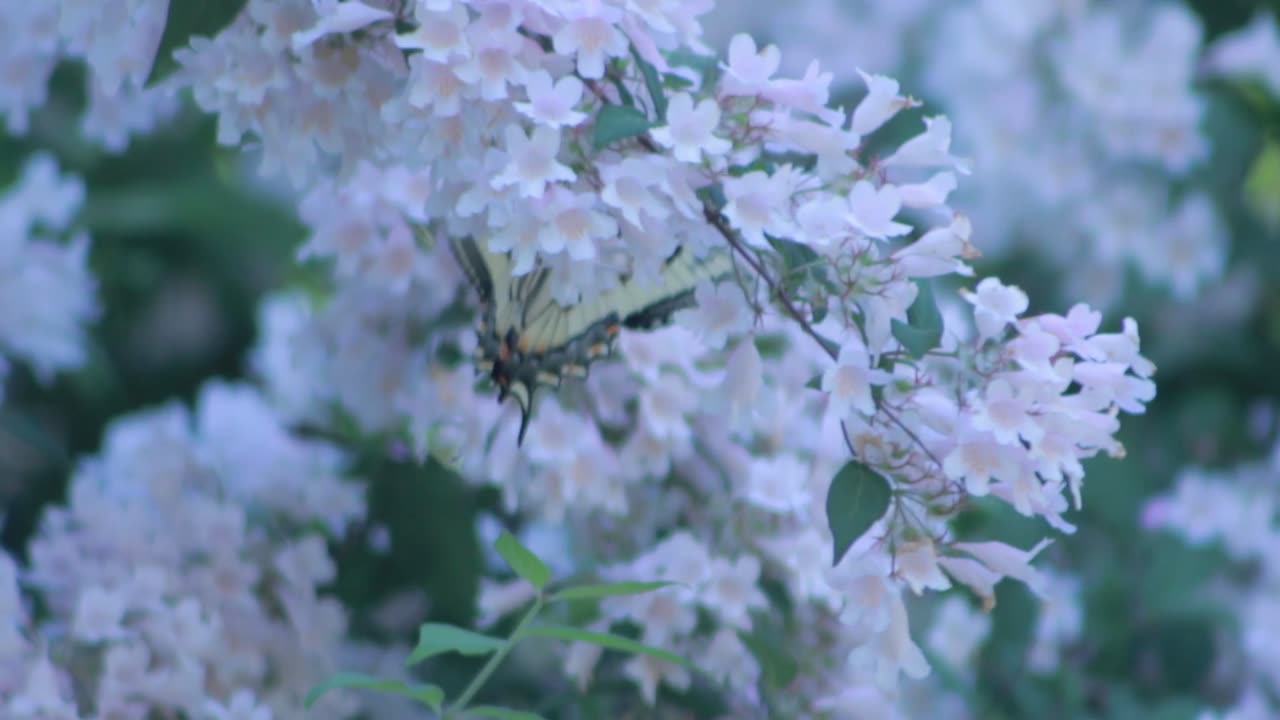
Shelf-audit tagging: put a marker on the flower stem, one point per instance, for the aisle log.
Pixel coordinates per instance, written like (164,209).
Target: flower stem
(478,681)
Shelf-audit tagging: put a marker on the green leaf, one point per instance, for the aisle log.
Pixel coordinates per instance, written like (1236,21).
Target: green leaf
(815,383)
(858,497)
(1262,186)
(623,93)
(522,560)
(583,592)
(501,713)
(819,312)
(712,196)
(436,638)
(923,330)
(654,84)
(186,19)
(793,253)
(429,695)
(607,640)
(771,345)
(615,122)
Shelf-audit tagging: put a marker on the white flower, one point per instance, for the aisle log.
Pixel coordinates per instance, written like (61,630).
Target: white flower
(719,314)
(1008,412)
(100,615)
(337,18)
(306,563)
(754,205)
(930,149)
(680,558)
(748,70)
(849,381)
(440,36)
(939,251)
(977,577)
(434,85)
(918,566)
(242,706)
(627,188)
(779,484)
(663,614)
(929,194)
(648,672)
(571,223)
(743,380)
(833,145)
(664,405)
(871,210)
(580,662)
(1253,50)
(1008,561)
(732,592)
(881,103)
(896,651)
(689,129)
(43,695)
(728,659)
(592,34)
(978,459)
(552,105)
(494,62)
(823,220)
(532,164)
(808,94)
(995,306)
(522,237)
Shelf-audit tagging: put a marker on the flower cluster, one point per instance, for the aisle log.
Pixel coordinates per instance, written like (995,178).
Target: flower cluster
(592,140)
(41,256)
(117,40)
(733,421)
(1251,52)
(1092,95)
(182,575)
(1237,510)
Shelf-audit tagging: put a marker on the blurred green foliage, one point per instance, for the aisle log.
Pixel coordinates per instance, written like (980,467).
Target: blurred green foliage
(186,241)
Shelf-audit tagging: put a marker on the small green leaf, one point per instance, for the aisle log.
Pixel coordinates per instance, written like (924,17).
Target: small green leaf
(501,713)
(616,122)
(831,346)
(429,695)
(923,330)
(583,592)
(654,84)
(800,260)
(771,345)
(607,640)
(186,19)
(857,498)
(712,196)
(623,93)
(819,312)
(522,560)
(1262,185)
(436,638)
(815,383)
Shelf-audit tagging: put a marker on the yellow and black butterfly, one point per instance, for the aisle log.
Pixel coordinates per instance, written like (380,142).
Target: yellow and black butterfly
(527,339)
